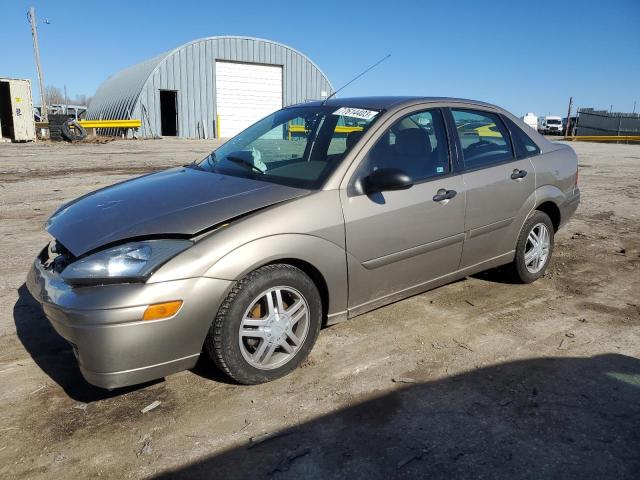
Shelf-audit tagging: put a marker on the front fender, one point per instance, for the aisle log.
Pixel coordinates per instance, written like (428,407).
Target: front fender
(328,258)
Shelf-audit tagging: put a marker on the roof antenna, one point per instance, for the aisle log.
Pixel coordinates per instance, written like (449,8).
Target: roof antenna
(355,78)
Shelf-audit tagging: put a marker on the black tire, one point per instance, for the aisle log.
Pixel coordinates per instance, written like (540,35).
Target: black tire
(222,342)
(55,133)
(55,126)
(517,269)
(73,135)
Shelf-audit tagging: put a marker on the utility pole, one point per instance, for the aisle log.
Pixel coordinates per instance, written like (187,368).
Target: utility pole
(36,50)
(634,107)
(567,129)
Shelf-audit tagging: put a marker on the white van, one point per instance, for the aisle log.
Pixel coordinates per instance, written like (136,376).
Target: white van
(550,125)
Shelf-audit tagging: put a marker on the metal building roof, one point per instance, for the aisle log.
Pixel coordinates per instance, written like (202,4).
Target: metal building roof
(128,93)
(117,95)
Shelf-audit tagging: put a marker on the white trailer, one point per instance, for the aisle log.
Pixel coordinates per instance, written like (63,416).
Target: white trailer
(16,111)
(531,119)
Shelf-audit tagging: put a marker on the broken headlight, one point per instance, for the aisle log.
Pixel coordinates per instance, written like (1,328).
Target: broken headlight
(129,262)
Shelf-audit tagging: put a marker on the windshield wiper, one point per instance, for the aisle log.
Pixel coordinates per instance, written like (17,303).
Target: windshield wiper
(244,162)
(194,165)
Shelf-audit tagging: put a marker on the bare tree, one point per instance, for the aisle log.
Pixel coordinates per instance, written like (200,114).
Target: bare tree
(57,103)
(54,95)
(81,99)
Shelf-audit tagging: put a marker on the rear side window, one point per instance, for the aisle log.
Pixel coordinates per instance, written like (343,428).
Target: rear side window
(483,137)
(524,146)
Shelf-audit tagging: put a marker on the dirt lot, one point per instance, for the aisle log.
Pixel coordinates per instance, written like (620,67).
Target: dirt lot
(476,379)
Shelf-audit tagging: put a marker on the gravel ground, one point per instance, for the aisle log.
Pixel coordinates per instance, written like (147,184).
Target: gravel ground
(480,378)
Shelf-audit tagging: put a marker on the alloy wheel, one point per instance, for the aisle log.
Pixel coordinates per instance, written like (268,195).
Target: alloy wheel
(537,248)
(274,327)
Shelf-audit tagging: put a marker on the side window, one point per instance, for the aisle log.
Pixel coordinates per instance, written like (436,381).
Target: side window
(483,136)
(416,144)
(524,146)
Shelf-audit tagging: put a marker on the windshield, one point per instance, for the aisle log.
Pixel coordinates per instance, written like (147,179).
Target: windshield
(298,147)
(553,121)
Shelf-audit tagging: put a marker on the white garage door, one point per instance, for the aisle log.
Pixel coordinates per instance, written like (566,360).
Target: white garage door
(246,93)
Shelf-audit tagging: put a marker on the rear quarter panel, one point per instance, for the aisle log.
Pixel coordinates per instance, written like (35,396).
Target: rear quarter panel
(556,169)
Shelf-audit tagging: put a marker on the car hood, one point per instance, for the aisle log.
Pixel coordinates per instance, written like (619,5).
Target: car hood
(179,201)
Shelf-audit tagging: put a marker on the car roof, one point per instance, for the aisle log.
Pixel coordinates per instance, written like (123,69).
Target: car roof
(388,102)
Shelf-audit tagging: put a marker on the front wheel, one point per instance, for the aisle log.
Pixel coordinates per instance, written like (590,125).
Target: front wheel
(267,325)
(534,248)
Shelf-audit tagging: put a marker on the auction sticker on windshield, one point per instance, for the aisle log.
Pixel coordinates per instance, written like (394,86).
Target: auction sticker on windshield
(356,113)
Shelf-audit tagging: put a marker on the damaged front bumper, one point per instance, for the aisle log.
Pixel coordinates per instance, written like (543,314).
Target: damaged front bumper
(112,343)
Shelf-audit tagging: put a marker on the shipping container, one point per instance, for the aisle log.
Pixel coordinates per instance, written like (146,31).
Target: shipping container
(16,110)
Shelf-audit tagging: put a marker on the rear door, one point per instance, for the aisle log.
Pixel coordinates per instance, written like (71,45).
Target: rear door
(499,185)
(399,241)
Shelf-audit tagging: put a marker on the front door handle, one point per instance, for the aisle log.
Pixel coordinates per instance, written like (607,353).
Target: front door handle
(444,194)
(518,174)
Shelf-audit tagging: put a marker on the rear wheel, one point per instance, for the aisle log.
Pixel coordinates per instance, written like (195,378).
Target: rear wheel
(267,325)
(534,248)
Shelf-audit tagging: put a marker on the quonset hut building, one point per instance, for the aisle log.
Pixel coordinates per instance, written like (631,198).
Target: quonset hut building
(212,87)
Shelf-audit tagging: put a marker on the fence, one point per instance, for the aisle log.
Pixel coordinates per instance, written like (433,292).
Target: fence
(603,123)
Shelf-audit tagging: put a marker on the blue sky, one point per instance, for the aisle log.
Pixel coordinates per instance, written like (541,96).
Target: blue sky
(523,55)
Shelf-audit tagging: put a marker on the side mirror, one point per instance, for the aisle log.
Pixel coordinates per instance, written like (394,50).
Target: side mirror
(386,179)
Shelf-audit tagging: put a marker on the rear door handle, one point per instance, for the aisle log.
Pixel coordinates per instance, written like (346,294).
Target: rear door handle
(444,194)
(518,174)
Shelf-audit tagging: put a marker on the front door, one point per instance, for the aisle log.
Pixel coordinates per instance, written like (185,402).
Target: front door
(400,241)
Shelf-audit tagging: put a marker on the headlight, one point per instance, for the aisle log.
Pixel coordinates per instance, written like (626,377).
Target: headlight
(130,262)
